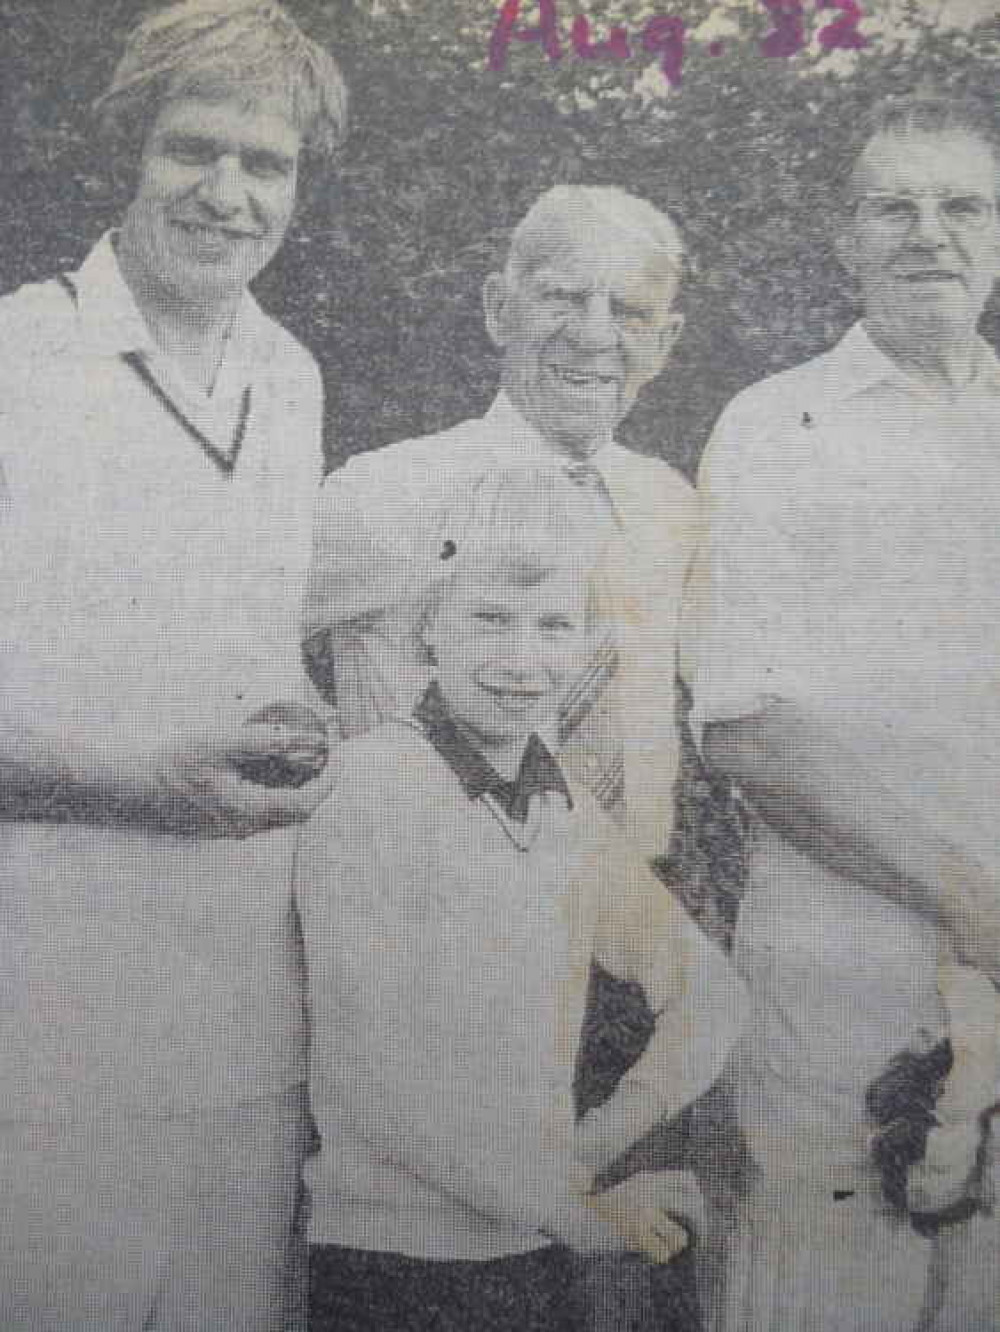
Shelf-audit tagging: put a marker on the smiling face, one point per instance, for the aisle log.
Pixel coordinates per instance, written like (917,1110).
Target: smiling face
(506,652)
(923,242)
(581,332)
(215,196)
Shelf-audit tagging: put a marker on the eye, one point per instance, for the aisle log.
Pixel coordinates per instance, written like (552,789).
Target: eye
(562,295)
(967,208)
(190,149)
(891,208)
(638,315)
(267,166)
(557,624)
(490,615)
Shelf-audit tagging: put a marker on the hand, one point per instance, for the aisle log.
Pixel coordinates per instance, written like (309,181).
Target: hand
(192,786)
(947,1175)
(286,745)
(657,1213)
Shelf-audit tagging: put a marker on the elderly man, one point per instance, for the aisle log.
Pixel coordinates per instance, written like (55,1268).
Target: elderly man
(160,452)
(582,316)
(848,678)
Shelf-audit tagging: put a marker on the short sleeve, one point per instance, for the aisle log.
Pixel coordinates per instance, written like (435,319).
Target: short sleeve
(369,562)
(360,561)
(749,600)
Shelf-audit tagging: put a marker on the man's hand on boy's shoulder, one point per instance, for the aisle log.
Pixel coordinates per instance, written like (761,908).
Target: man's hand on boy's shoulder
(656,1213)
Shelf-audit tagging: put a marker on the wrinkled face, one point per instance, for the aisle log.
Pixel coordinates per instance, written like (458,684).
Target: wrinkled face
(506,654)
(215,196)
(924,243)
(581,333)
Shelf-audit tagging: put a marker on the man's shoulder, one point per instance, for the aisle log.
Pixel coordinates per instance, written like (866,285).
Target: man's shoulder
(770,422)
(37,319)
(790,392)
(288,356)
(398,483)
(423,456)
(655,472)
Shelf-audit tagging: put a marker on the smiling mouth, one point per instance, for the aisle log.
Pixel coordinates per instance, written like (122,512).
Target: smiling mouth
(206,231)
(584,379)
(514,698)
(930,275)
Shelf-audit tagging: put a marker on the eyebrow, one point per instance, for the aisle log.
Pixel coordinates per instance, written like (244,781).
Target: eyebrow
(271,156)
(191,139)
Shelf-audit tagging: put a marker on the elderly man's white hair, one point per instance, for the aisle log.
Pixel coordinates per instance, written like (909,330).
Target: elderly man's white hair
(567,213)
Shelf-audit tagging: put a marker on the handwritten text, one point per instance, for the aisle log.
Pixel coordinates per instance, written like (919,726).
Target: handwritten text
(664,35)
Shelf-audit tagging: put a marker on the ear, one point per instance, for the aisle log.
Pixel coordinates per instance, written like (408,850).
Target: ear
(424,638)
(666,337)
(312,184)
(996,250)
(843,244)
(494,306)
(669,333)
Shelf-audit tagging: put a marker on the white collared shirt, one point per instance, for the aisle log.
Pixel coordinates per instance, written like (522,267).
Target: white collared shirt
(145,589)
(853,567)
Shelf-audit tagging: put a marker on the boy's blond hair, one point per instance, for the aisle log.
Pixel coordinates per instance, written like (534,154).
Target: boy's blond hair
(523,526)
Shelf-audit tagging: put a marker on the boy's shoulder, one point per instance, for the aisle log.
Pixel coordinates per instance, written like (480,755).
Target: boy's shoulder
(393,754)
(383,779)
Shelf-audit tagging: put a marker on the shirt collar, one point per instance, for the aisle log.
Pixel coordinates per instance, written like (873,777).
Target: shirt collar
(503,420)
(856,364)
(112,323)
(538,771)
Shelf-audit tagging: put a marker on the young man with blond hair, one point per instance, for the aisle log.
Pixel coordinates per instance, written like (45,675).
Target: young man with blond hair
(159,452)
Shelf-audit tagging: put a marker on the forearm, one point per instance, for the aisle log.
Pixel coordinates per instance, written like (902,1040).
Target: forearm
(694,1032)
(188,784)
(810,789)
(45,774)
(973,1008)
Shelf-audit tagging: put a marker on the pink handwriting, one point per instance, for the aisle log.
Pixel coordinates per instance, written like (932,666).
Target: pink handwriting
(664,35)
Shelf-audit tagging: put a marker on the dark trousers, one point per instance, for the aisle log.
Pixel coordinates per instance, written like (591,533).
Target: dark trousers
(358,1290)
(624,1293)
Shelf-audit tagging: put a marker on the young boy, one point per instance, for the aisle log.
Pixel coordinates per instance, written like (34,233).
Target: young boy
(453,895)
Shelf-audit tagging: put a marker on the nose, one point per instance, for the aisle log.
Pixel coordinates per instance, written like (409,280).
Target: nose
(519,660)
(221,188)
(927,227)
(594,327)
(515,666)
